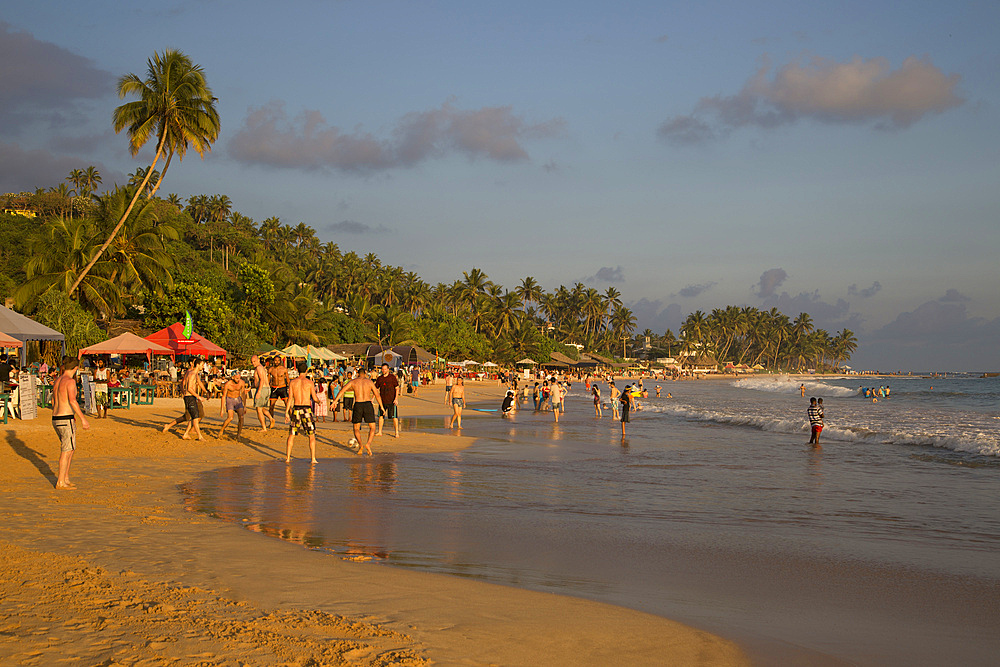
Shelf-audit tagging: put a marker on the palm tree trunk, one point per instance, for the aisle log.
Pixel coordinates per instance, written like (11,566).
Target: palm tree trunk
(166,165)
(121,223)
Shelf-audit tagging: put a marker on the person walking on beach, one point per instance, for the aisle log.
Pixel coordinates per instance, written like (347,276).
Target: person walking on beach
(557,395)
(364,392)
(449,382)
(65,411)
(802,390)
(613,399)
(278,376)
(262,393)
(348,400)
(595,390)
(815,413)
(101,389)
(298,411)
(388,390)
(457,403)
(233,395)
(626,400)
(192,389)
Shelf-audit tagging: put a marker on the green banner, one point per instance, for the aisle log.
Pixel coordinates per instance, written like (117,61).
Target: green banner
(188,324)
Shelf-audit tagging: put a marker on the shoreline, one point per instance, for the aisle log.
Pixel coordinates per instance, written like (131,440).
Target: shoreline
(122,556)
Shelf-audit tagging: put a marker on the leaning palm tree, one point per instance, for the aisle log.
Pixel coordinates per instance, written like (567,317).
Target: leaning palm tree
(177,105)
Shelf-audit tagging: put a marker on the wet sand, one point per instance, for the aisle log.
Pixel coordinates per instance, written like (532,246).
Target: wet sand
(119,572)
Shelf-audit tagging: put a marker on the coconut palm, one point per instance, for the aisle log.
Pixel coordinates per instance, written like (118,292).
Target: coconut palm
(91,179)
(177,106)
(138,255)
(57,251)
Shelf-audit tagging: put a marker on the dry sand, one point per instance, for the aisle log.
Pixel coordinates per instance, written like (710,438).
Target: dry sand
(117,572)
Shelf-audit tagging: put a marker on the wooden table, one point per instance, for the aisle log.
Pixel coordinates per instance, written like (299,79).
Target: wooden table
(124,394)
(142,394)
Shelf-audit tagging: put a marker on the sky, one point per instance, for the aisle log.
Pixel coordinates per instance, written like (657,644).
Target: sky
(841,159)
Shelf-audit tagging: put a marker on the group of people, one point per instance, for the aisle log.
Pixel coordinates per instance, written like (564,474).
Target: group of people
(304,399)
(873,393)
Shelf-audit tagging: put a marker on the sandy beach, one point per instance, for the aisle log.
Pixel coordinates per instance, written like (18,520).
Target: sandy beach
(118,572)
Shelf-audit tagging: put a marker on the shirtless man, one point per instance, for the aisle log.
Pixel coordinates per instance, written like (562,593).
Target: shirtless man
(262,394)
(65,410)
(300,417)
(364,411)
(449,383)
(233,394)
(192,389)
(457,402)
(278,375)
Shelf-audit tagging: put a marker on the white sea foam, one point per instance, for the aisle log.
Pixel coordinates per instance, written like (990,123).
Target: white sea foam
(980,442)
(782,384)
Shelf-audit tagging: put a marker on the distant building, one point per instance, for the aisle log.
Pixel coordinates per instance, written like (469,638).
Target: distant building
(26,212)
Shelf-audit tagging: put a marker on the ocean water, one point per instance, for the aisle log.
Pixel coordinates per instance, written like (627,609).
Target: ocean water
(882,547)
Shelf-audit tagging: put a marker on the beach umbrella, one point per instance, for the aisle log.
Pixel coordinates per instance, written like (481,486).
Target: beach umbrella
(296,351)
(490,364)
(528,361)
(470,362)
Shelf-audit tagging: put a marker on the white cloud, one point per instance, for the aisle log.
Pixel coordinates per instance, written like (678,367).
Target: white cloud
(269,137)
(858,91)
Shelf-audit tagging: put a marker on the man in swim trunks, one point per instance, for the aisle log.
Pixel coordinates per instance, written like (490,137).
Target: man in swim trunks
(815,421)
(457,402)
(278,375)
(262,395)
(65,410)
(348,400)
(365,392)
(613,396)
(191,389)
(388,391)
(302,392)
(449,382)
(233,395)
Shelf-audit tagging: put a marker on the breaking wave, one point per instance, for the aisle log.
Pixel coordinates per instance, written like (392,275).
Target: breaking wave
(784,385)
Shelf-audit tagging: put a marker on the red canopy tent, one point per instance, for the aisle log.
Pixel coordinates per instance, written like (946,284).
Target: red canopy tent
(9,341)
(127,343)
(197,345)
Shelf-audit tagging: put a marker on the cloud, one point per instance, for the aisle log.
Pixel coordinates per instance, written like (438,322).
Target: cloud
(44,82)
(953,295)
(353,227)
(769,281)
(607,274)
(694,290)
(25,170)
(937,335)
(855,92)
(656,316)
(865,293)
(269,137)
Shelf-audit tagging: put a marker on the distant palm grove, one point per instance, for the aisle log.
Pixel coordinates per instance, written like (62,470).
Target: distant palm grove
(92,258)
